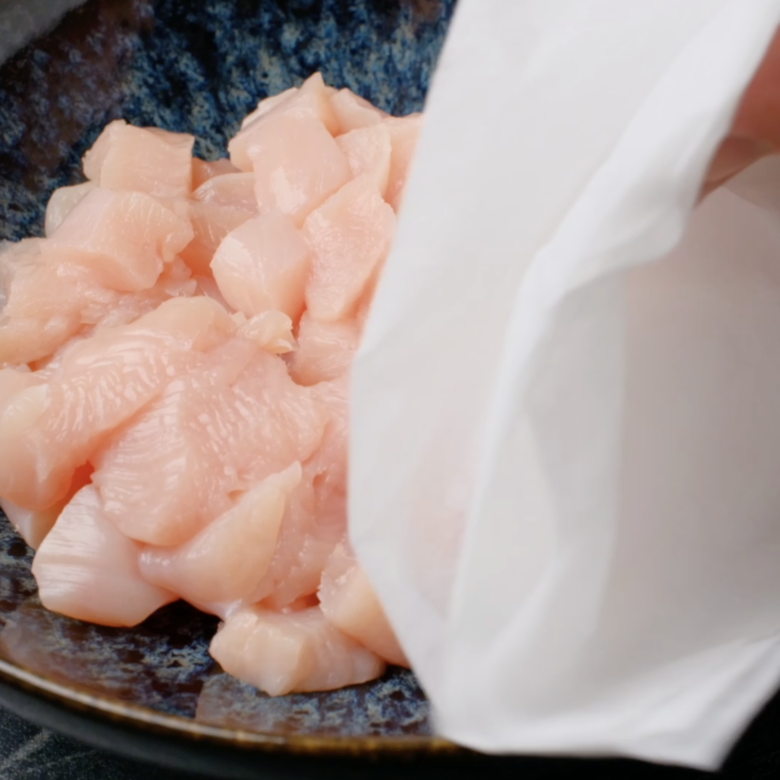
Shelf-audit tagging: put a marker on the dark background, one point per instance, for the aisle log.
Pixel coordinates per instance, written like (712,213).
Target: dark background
(30,753)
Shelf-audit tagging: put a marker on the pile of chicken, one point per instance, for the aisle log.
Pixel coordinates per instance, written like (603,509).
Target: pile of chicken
(173,392)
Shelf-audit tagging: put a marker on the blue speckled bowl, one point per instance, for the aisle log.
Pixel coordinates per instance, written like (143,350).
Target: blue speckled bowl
(153,691)
(198,67)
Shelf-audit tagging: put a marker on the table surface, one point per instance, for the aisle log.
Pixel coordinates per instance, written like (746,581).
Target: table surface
(31,753)
(28,752)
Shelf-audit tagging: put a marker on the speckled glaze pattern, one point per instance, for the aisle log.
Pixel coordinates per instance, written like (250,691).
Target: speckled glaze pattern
(193,67)
(200,68)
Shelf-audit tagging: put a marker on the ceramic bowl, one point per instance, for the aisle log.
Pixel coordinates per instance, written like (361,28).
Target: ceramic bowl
(196,67)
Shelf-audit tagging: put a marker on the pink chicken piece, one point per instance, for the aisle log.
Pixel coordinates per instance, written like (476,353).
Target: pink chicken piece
(224,562)
(263,264)
(205,285)
(203,170)
(44,280)
(325,350)
(268,103)
(297,164)
(29,339)
(141,159)
(330,460)
(316,516)
(404,133)
(220,205)
(210,224)
(14,380)
(86,569)
(301,552)
(192,481)
(312,100)
(349,602)
(231,421)
(368,150)
(62,201)
(329,463)
(126,237)
(353,111)
(296,651)
(174,282)
(48,430)
(366,298)
(50,294)
(350,236)
(34,524)
(231,190)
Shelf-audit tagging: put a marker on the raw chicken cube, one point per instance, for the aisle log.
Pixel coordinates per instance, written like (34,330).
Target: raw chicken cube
(230,422)
(49,280)
(232,190)
(34,524)
(325,350)
(329,463)
(63,200)
(49,430)
(352,111)
(87,569)
(350,236)
(50,292)
(175,281)
(210,224)
(180,325)
(142,159)
(132,233)
(368,150)
(14,380)
(312,100)
(193,478)
(297,651)
(316,517)
(205,285)
(266,104)
(29,339)
(349,602)
(366,298)
(297,164)
(404,133)
(301,553)
(314,96)
(203,170)
(262,265)
(225,561)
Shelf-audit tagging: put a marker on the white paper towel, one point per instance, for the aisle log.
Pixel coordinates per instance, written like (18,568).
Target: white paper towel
(565,451)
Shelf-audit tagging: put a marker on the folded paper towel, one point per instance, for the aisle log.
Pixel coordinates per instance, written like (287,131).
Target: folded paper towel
(566,409)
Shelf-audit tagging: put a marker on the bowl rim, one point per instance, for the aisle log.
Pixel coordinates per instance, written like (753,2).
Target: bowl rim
(85,701)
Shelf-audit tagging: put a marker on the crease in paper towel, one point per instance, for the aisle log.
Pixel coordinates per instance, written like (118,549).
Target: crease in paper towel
(563,459)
